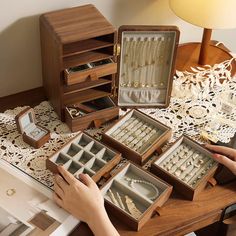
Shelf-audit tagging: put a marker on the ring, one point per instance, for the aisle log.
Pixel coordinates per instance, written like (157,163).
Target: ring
(10,192)
(35,132)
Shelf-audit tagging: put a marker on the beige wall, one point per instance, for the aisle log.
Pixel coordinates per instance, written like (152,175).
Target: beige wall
(20,67)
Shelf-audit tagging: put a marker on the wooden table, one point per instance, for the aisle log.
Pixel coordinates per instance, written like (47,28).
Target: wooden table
(188,54)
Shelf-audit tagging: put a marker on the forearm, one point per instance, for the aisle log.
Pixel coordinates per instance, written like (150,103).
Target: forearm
(101,225)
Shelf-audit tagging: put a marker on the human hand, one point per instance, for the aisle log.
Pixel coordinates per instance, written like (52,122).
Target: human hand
(224,155)
(82,198)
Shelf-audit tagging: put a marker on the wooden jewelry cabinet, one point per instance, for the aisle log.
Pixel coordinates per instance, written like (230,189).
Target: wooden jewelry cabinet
(88,71)
(78,65)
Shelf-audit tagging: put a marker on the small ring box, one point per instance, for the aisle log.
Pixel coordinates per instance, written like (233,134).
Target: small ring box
(34,135)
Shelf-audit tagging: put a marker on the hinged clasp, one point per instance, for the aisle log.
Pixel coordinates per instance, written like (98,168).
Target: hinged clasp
(114,91)
(116,49)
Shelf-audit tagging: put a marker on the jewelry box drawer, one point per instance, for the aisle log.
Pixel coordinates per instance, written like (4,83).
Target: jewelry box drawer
(132,195)
(187,166)
(90,72)
(92,113)
(84,154)
(137,135)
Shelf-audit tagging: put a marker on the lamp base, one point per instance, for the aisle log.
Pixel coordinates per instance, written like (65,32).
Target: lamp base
(188,55)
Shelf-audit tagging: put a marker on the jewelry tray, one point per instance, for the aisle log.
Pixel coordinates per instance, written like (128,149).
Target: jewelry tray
(84,154)
(32,134)
(146,194)
(90,71)
(137,136)
(80,116)
(190,174)
(146,65)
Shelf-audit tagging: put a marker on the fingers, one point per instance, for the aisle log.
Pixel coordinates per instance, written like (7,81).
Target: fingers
(58,190)
(61,183)
(87,180)
(66,175)
(57,200)
(231,165)
(229,152)
(71,180)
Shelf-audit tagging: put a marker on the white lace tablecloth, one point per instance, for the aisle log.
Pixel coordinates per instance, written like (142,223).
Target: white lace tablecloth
(195,104)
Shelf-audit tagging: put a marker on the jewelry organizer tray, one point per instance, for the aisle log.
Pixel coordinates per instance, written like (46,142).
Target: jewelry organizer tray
(32,134)
(133,195)
(137,136)
(80,116)
(90,71)
(187,166)
(146,65)
(84,154)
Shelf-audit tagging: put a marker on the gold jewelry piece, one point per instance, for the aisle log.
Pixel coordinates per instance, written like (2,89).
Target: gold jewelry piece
(10,192)
(134,211)
(120,201)
(112,196)
(75,112)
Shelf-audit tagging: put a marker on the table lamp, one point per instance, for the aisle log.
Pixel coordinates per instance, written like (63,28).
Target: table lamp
(209,14)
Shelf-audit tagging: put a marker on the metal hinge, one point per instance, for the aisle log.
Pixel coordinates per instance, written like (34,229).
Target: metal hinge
(114,91)
(117,49)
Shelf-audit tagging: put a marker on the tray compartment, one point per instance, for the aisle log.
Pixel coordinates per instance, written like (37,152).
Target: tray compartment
(137,136)
(141,202)
(187,166)
(77,158)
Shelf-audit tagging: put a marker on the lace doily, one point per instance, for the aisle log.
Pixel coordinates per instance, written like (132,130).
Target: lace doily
(196,103)
(189,113)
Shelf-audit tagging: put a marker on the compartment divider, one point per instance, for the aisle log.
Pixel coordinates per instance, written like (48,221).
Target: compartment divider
(89,146)
(90,162)
(67,164)
(62,156)
(79,171)
(89,170)
(78,155)
(101,160)
(74,165)
(133,192)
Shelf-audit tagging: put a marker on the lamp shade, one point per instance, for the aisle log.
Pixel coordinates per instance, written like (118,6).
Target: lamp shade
(210,14)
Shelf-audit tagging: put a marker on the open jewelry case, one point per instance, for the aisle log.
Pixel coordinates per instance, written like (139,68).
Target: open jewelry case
(89,62)
(146,65)
(136,135)
(84,154)
(33,134)
(133,195)
(187,166)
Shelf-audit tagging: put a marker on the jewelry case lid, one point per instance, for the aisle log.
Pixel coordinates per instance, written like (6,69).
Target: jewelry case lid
(25,119)
(146,52)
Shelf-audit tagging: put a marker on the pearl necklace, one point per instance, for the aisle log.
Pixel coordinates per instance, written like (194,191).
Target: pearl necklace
(133,181)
